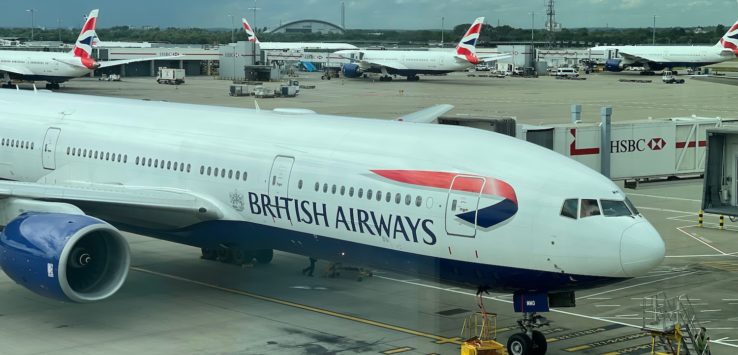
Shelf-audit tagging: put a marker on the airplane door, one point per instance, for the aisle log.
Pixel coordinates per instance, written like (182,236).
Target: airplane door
(279,177)
(463,198)
(49,148)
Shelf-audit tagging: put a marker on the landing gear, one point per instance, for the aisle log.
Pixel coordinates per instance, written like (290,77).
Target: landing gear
(52,86)
(413,78)
(237,256)
(385,78)
(530,341)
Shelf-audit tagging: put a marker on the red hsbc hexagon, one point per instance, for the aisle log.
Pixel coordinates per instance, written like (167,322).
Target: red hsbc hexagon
(656,143)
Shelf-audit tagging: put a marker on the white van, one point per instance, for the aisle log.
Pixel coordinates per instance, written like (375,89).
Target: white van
(566,72)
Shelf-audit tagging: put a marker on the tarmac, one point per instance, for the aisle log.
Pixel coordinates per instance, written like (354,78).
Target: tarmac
(175,302)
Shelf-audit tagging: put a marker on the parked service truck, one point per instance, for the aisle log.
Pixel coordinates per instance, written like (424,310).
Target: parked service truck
(171,76)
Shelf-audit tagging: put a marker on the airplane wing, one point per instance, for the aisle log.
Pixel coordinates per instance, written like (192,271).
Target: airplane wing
(124,204)
(17,69)
(427,115)
(383,63)
(112,63)
(642,58)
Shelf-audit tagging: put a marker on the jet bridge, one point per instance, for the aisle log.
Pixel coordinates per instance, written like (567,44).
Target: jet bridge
(720,194)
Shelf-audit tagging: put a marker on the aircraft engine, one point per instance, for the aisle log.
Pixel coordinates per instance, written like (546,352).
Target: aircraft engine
(614,65)
(351,70)
(63,256)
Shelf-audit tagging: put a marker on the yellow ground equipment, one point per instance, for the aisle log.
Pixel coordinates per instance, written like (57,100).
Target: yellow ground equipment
(480,332)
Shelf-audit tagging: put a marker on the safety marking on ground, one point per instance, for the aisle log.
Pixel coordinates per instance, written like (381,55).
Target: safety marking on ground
(517,328)
(454,340)
(636,349)
(605,342)
(326,312)
(398,350)
(582,333)
(721,265)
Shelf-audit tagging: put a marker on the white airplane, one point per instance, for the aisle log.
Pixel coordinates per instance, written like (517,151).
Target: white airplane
(412,63)
(292,46)
(654,58)
(57,67)
(459,205)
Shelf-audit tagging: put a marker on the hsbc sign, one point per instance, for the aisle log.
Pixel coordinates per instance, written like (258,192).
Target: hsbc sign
(636,145)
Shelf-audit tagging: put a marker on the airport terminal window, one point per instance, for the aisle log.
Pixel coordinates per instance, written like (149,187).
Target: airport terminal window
(612,208)
(569,209)
(589,208)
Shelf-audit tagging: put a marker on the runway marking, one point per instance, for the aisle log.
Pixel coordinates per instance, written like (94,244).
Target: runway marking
(630,350)
(599,298)
(303,307)
(607,305)
(448,341)
(605,342)
(639,284)
(664,197)
(699,240)
(398,350)
(582,333)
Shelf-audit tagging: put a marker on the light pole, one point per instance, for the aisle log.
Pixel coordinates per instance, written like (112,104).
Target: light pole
(532,37)
(232,26)
(443,19)
(33,20)
(653,41)
(254,10)
(58,28)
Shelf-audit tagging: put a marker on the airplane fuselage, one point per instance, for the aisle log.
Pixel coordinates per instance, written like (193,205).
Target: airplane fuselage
(408,62)
(457,204)
(33,65)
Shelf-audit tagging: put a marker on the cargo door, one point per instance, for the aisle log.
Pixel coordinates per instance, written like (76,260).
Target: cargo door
(279,177)
(462,205)
(49,148)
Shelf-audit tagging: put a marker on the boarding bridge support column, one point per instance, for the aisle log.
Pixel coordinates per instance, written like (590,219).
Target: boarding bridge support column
(576,113)
(606,119)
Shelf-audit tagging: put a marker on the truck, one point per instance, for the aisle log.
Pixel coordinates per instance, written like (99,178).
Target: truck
(171,76)
(669,77)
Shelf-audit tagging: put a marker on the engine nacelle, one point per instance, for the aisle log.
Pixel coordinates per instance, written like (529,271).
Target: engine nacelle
(351,70)
(67,257)
(614,65)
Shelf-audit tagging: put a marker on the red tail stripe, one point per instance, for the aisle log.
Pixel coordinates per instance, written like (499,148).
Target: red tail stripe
(443,180)
(89,25)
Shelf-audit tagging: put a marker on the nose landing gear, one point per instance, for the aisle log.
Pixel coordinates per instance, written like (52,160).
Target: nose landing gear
(530,341)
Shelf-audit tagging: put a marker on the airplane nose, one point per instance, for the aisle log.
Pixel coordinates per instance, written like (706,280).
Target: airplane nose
(641,249)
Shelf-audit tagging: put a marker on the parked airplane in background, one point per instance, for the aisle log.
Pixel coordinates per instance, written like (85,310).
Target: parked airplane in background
(292,46)
(57,67)
(412,63)
(500,222)
(654,58)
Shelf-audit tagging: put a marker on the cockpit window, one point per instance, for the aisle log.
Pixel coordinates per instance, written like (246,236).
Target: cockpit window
(569,209)
(612,208)
(632,207)
(590,208)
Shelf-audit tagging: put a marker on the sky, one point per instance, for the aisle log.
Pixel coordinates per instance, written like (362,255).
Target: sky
(372,14)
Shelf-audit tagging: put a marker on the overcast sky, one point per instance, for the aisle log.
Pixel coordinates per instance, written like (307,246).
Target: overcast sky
(372,14)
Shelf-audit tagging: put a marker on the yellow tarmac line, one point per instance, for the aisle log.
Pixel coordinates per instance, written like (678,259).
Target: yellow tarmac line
(437,338)
(397,351)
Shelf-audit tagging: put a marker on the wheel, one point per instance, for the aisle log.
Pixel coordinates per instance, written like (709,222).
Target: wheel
(322,77)
(264,256)
(209,254)
(328,77)
(240,257)
(519,344)
(224,255)
(539,344)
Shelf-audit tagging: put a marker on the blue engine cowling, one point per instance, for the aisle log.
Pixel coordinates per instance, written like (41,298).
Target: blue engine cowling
(351,70)
(65,256)
(614,65)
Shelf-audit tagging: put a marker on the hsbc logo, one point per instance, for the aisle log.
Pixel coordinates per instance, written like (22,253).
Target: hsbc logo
(636,145)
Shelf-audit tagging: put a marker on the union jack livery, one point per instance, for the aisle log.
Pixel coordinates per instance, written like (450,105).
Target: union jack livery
(249,31)
(467,47)
(83,46)
(730,39)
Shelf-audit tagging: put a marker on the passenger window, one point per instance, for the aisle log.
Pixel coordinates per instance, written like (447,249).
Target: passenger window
(569,209)
(107,156)
(31,145)
(209,171)
(299,184)
(333,189)
(325,188)
(418,201)
(169,165)
(351,191)
(274,180)
(125,158)
(343,190)
(96,154)
(230,174)
(398,198)
(317,186)
(188,167)
(149,163)
(408,200)
(215,172)
(589,208)
(84,153)
(379,195)
(612,208)
(369,194)
(68,150)
(244,176)
(389,197)
(222,173)
(238,175)
(361,193)
(174,166)
(156,163)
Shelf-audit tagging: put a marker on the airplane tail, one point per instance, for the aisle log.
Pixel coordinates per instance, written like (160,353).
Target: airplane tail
(83,46)
(730,39)
(467,47)
(249,31)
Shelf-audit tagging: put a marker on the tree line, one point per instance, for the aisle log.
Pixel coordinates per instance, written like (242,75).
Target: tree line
(568,37)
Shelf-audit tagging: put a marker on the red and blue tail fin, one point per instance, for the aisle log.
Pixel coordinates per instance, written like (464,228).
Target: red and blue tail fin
(249,31)
(83,46)
(467,48)
(730,39)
